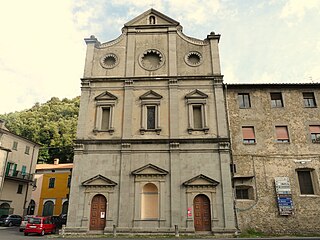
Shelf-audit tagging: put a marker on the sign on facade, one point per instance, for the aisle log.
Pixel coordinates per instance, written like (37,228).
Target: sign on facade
(284,196)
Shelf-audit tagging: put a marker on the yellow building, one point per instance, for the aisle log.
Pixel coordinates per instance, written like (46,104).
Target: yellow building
(52,194)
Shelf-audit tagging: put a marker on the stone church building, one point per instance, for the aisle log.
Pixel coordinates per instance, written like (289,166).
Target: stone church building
(152,151)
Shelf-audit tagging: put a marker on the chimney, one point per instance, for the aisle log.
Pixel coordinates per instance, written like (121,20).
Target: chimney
(56,161)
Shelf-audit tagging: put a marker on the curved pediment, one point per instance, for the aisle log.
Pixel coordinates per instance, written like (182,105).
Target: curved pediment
(201,181)
(99,180)
(150,169)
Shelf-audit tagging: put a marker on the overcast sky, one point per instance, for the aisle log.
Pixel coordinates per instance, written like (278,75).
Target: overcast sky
(42,51)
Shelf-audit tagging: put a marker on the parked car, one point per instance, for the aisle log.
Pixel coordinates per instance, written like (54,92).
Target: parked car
(10,220)
(40,225)
(24,222)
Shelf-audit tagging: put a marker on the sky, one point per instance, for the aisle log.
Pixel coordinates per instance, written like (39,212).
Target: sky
(42,50)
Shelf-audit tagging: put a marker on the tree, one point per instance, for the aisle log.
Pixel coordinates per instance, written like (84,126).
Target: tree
(52,124)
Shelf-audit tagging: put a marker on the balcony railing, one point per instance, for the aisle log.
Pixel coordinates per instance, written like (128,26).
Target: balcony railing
(18,175)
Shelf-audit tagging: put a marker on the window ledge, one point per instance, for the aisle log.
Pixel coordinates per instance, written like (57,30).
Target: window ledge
(309,195)
(250,143)
(205,130)
(111,130)
(245,200)
(310,107)
(283,142)
(143,130)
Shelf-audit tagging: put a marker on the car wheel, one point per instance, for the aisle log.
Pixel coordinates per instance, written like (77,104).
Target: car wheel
(20,230)
(53,231)
(42,233)
(10,224)
(26,234)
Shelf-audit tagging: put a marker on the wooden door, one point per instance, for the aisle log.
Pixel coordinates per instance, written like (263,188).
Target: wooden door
(202,215)
(98,213)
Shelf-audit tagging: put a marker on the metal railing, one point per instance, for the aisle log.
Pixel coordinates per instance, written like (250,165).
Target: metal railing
(19,175)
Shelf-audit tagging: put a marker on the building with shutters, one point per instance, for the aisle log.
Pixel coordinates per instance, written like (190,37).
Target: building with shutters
(51,197)
(152,151)
(18,159)
(275,136)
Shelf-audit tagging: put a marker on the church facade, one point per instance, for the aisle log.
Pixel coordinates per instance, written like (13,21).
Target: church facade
(153,150)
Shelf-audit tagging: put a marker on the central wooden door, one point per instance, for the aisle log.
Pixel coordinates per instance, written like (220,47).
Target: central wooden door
(202,215)
(98,213)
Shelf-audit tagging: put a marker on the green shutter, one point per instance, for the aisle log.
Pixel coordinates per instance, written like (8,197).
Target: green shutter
(8,168)
(14,170)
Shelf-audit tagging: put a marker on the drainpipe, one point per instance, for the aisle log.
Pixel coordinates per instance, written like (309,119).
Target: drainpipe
(231,159)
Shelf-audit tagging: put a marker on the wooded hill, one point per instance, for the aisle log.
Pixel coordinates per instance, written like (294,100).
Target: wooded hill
(52,124)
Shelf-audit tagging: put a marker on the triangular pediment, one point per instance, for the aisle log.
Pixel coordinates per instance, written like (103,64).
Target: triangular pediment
(196,94)
(150,169)
(151,95)
(99,180)
(144,19)
(105,96)
(201,180)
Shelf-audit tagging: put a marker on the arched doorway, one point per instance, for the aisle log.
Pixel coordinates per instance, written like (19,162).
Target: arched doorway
(202,213)
(98,212)
(65,207)
(31,207)
(4,209)
(48,208)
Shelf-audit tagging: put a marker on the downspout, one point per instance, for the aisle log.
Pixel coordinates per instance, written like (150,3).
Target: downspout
(231,160)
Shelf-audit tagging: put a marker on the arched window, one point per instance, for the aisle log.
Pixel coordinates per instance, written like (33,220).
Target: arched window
(48,208)
(152,20)
(150,202)
(31,207)
(65,207)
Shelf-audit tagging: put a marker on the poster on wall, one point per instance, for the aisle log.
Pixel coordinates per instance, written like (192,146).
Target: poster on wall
(284,196)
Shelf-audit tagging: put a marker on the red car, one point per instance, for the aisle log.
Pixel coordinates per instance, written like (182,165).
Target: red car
(40,225)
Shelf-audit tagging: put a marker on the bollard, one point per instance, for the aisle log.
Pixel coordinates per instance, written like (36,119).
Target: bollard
(176,231)
(114,230)
(63,230)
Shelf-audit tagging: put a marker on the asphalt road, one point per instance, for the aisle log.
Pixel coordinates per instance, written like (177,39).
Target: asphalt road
(12,233)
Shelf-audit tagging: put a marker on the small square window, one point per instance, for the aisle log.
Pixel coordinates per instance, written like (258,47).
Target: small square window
(305,181)
(244,192)
(15,146)
(20,187)
(276,100)
(309,100)
(51,182)
(27,151)
(282,134)
(248,135)
(315,133)
(244,100)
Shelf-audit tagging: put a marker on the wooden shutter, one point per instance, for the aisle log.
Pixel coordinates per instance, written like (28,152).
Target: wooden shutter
(282,132)
(248,133)
(314,128)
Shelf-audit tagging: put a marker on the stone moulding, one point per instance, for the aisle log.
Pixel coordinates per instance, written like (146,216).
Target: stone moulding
(192,40)
(113,42)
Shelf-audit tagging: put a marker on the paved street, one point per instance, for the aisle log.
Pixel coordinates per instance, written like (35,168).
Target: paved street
(12,233)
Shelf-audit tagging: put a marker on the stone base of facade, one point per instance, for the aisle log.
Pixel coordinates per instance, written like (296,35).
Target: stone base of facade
(140,231)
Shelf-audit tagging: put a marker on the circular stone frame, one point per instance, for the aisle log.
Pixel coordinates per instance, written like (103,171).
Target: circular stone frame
(151,59)
(109,60)
(193,58)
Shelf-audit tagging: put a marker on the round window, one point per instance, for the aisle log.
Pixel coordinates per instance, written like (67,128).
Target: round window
(110,60)
(151,59)
(193,59)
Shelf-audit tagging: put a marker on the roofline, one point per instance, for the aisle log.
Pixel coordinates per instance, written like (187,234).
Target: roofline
(271,85)
(26,139)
